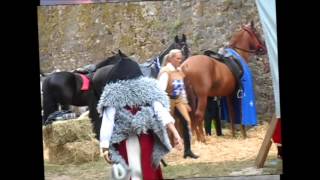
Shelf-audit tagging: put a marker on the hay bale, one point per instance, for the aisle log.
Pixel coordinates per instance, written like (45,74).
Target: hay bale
(74,152)
(70,142)
(62,132)
(45,152)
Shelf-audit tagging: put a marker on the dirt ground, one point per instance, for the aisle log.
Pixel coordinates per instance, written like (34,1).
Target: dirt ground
(220,156)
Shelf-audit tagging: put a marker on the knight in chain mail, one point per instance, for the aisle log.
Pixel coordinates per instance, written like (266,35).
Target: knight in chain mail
(135,118)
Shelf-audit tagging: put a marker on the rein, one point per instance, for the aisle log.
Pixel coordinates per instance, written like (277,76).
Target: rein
(245,50)
(259,47)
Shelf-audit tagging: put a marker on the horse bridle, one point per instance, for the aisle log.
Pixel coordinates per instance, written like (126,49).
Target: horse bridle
(184,51)
(259,48)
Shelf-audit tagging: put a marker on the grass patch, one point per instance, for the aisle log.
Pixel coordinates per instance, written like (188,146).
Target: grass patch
(100,170)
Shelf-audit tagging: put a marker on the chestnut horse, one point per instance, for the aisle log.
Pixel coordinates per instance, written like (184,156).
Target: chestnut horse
(208,77)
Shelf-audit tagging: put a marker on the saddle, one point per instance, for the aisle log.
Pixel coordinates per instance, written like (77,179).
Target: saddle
(86,74)
(233,64)
(87,70)
(85,82)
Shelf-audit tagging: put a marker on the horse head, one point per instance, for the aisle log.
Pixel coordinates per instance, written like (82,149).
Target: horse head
(248,40)
(182,45)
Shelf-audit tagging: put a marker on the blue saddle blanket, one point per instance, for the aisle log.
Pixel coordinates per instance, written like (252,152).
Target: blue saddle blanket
(245,107)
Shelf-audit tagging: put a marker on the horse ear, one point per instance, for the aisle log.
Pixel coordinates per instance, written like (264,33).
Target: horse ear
(176,39)
(184,38)
(121,53)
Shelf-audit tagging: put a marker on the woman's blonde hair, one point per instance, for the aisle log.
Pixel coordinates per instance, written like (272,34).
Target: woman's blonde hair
(172,53)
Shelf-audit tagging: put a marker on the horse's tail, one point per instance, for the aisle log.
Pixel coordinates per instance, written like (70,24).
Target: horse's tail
(192,98)
(49,104)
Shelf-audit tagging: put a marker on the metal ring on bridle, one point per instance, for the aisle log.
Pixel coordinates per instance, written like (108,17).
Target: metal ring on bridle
(240,94)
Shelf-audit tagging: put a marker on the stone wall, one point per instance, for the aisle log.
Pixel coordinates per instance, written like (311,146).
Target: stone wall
(75,35)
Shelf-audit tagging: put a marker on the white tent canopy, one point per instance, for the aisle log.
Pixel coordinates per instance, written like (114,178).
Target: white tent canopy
(267,13)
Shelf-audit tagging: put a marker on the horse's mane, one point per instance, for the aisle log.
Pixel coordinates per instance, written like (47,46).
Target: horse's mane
(110,60)
(116,59)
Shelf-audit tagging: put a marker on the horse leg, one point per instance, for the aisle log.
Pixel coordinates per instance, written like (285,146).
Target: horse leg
(194,124)
(231,114)
(194,128)
(67,95)
(49,105)
(192,100)
(199,115)
(243,131)
(94,115)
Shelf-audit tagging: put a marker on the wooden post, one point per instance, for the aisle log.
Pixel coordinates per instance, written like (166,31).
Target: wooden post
(266,144)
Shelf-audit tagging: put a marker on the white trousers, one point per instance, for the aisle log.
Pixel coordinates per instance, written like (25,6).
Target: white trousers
(134,157)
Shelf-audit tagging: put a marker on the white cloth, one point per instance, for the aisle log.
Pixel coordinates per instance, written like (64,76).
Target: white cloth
(134,156)
(164,77)
(267,13)
(107,126)
(108,121)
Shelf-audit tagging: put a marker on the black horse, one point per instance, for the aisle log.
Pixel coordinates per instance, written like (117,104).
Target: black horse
(99,80)
(63,88)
